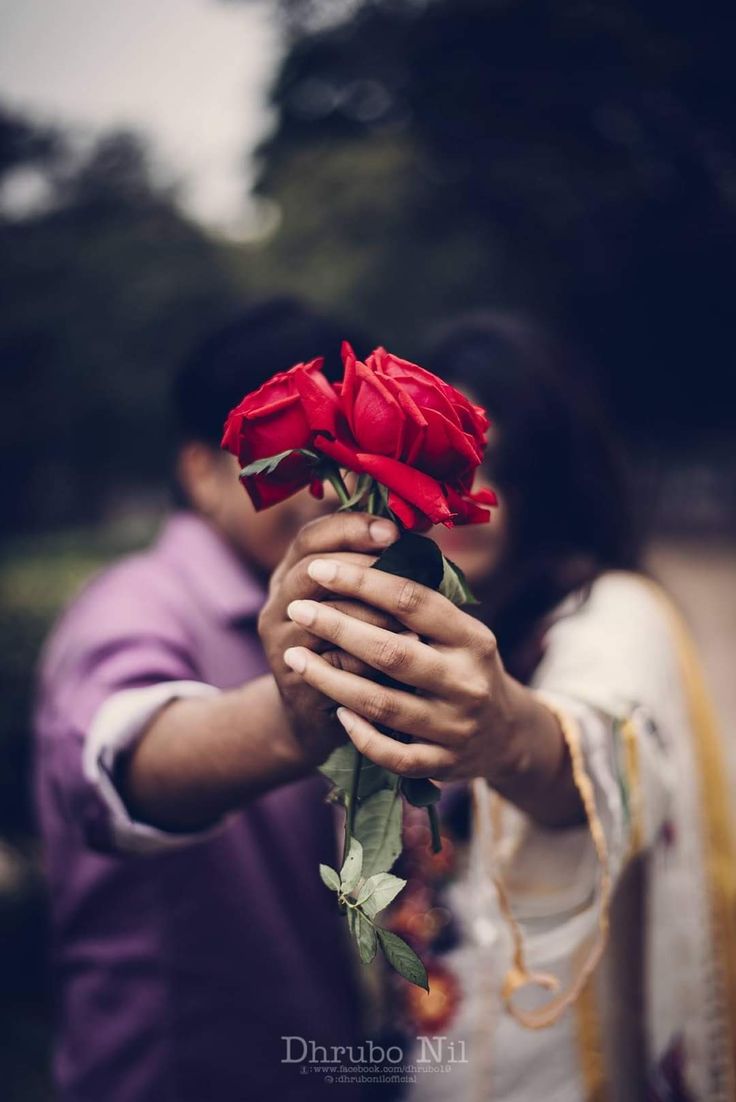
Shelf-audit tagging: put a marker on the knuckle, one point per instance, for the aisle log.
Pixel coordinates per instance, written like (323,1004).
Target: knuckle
(355,577)
(475,690)
(331,623)
(303,538)
(486,645)
(403,763)
(390,655)
(465,730)
(340,660)
(380,706)
(408,597)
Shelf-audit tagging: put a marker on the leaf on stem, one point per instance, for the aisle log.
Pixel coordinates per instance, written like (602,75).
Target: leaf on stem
(330,878)
(377,892)
(267,465)
(339,769)
(378,828)
(364,934)
(352,868)
(454,584)
(403,958)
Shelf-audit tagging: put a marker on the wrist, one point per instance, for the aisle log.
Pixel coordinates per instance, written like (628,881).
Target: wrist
(307,742)
(538,778)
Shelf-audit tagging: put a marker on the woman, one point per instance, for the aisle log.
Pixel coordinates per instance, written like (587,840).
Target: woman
(596,909)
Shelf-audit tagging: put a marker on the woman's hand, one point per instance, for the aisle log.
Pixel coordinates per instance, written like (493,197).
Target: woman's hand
(468,717)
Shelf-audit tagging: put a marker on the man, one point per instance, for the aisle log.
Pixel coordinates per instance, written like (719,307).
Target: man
(182,819)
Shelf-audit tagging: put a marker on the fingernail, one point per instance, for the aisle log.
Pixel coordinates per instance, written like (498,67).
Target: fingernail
(296,659)
(382,531)
(302,612)
(345,717)
(322,570)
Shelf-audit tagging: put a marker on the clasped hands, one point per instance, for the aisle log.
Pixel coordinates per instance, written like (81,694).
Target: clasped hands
(331,623)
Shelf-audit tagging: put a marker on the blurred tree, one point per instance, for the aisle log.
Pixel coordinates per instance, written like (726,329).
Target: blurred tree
(101,291)
(23,144)
(577,159)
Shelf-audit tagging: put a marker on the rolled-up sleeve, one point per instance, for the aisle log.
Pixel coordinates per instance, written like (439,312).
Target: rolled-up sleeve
(116,728)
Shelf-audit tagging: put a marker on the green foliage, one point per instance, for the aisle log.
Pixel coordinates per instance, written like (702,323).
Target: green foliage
(339,769)
(364,933)
(352,867)
(403,958)
(330,878)
(378,828)
(377,892)
(362,899)
(576,161)
(267,465)
(454,584)
(101,295)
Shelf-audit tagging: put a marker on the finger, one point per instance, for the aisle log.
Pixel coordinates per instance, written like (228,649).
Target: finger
(418,607)
(366,613)
(408,759)
(343,661)
(342,531)
(297,582)
(390,707)
(402,658)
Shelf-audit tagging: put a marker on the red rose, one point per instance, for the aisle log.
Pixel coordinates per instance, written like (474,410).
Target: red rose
(284,413)
(454,438)
(415,434)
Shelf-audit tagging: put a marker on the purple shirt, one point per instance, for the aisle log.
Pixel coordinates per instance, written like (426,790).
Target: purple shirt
(178,973)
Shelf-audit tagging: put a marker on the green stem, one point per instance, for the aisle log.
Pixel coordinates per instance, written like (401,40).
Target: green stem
(351,806)
(434,827)
(336,481)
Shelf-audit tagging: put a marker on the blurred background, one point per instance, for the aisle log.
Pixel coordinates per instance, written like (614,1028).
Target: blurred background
(399,160)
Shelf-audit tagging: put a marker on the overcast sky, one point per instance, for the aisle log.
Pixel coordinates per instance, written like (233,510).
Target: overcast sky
(190,74)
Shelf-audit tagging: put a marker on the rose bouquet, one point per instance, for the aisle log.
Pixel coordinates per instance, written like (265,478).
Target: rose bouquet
(412,444)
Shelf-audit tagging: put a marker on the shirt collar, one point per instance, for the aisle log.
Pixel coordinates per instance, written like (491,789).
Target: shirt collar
(211,567)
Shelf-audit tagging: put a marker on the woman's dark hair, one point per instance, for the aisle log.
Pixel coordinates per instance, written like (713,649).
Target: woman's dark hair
(552,459)
(237,358)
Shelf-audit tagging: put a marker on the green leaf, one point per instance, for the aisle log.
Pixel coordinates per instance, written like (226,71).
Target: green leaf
(267,465)
(420,791)
(378,828)
(364,934)
(378,891)
(403,958)
(339,769)
(330,878)
(454,584)
(352,866)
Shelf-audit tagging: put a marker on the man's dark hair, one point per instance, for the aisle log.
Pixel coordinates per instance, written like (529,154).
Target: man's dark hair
(269,337)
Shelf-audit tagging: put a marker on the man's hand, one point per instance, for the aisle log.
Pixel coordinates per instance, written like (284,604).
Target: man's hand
(357,538)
